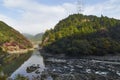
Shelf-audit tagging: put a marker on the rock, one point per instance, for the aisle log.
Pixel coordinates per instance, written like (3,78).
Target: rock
(82,69)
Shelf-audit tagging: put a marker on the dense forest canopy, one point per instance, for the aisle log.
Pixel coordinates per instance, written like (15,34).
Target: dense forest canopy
(84,35)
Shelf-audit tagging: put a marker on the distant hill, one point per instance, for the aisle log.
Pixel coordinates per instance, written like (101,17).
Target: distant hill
(28,36)
(38,36)
(33,38)
(10,39)
(84,35)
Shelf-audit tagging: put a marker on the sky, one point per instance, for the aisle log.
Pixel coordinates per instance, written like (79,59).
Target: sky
(36,16)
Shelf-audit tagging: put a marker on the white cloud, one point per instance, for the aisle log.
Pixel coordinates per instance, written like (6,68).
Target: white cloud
(109,8)
(36,17)
(14,3)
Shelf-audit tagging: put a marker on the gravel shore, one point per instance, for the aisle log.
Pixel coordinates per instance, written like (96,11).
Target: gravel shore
(85,68)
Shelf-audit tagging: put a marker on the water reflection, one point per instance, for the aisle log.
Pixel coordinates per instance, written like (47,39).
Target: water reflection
(32,67)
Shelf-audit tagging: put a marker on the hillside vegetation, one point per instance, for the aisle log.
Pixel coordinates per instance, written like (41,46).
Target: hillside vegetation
(11,38)
(84,35)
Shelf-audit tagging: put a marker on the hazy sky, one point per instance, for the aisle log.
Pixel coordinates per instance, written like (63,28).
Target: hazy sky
(35,16)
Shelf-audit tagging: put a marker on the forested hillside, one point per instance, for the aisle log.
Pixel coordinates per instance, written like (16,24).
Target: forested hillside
(84,35)
(11,38)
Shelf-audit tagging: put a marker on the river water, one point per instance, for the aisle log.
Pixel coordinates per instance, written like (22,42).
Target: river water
(36,61)
(34,66)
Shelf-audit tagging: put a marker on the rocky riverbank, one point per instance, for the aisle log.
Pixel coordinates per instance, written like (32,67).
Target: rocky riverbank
(93,68)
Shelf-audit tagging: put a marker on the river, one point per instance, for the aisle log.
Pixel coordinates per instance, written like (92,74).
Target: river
(32,67)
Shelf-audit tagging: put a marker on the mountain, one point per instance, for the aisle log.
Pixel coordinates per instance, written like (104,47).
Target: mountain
(38,36)
(80,34)
(11,40)
(28,35)
(33,38)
